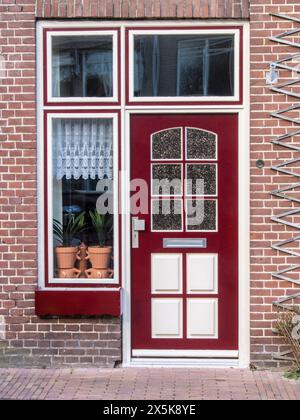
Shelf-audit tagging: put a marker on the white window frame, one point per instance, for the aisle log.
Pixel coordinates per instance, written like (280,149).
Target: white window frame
(190,99)
(83,99)
(173,198)
(200,198)
(201,163)
(157,195)
(83,115)
(194,160)
(178,160)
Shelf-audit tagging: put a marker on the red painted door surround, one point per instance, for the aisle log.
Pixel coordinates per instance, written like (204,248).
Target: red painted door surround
(186,298)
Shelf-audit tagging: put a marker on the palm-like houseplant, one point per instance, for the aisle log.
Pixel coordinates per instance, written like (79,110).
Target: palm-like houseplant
(100,255)
(66,253)
(103,225)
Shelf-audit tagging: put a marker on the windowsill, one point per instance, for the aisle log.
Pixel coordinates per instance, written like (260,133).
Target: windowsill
(78,302)
(85,282)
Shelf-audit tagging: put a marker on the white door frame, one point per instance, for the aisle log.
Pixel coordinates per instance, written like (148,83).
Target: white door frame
(240,359)
(204,358)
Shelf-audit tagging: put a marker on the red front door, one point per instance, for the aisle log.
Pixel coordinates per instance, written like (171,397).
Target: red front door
(185,264)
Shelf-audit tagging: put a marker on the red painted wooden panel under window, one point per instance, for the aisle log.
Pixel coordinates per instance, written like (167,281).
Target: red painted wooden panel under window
(68,303)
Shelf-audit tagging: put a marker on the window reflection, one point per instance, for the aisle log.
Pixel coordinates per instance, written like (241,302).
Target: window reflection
(82,66)
(187,65)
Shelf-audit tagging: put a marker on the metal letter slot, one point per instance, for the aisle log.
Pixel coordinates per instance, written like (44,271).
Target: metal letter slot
(138,225)
(185,243)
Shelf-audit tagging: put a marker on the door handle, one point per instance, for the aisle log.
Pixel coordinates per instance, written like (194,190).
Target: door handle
(137,226)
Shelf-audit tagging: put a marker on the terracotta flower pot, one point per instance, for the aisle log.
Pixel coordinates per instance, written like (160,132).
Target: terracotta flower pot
(66,256)
(96,273)
(99,256)
(69,273)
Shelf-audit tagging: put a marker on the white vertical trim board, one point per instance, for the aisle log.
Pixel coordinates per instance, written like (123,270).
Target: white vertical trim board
(244,211)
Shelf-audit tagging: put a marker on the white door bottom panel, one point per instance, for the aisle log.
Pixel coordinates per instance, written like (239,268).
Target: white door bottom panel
(230,354)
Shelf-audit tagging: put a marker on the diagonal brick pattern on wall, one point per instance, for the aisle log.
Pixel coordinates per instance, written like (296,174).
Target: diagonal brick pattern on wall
(265,289)
(133,9)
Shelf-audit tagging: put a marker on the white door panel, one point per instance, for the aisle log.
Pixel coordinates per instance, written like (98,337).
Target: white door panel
(202,273)
(202,318)
(166,318)
(166,273)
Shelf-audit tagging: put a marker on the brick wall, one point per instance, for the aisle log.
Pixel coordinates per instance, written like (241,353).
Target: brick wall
(97,341)
(132,9)
(31,340)
(264,233)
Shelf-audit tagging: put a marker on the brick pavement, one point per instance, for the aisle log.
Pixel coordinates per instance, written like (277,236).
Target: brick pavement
(146,383)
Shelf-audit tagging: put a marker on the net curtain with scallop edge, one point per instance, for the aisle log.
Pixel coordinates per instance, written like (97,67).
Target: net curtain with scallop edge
(82,148)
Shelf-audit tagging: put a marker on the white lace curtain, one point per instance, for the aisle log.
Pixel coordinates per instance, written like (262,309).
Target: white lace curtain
(83,148)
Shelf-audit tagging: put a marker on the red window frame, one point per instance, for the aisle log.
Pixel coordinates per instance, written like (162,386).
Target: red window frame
(47,283)
(83,103)
(152,102)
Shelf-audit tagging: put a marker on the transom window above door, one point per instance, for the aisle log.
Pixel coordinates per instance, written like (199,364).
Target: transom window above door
(184,65)
(167,66)
(82,66)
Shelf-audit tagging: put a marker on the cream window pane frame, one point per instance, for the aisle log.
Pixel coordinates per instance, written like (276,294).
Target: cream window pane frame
(191,99)
(161,160)
(190,199)
(82,99)
(191,160)
(191,181)
(153,180)
(169,200)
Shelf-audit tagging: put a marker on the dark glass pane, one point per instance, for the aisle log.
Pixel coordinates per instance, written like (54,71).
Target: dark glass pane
(201,179)
(201,215)
(167,215)
(200,144)
(167,144)
(82,66)
(184,65)
(83,200)
(166,179)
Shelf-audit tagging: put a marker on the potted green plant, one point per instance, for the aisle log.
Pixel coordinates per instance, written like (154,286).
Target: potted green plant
(66,253)
(100,255)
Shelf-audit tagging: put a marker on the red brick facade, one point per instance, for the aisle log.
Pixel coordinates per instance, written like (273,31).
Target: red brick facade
(266,289)
(140,9)
(31,340)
